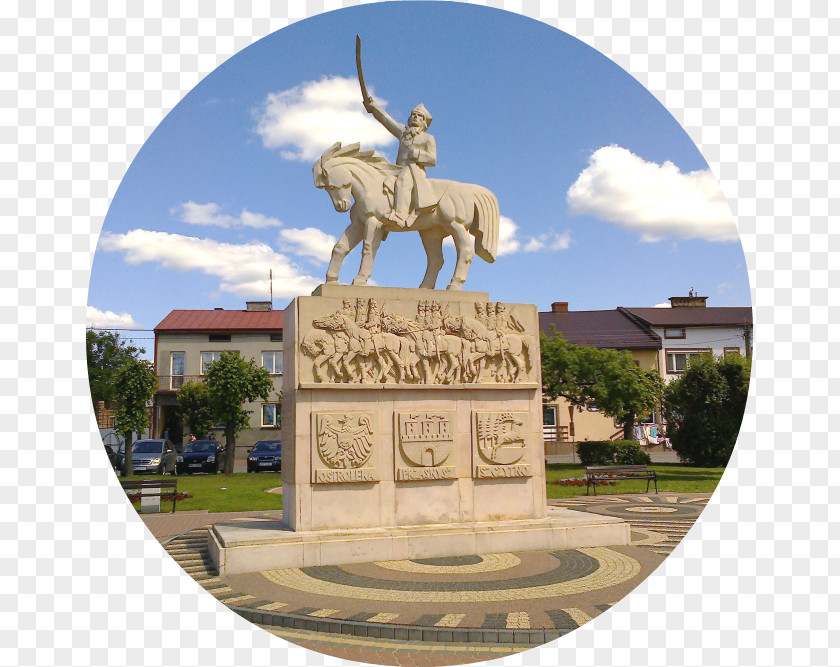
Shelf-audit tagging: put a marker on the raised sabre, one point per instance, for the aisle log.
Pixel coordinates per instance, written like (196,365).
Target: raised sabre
(365,95)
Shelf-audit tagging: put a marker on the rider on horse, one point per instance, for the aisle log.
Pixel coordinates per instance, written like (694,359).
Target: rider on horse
(417,151)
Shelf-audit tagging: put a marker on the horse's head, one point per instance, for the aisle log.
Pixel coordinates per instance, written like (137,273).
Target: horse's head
(339,166)
(334,178)
(333,322)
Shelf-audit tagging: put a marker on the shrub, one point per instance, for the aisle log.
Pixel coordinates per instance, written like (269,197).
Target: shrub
(596,452)
(628,453)
(704,408)
(611,452)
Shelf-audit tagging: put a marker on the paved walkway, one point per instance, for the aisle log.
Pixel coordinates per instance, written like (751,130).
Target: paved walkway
(443,610)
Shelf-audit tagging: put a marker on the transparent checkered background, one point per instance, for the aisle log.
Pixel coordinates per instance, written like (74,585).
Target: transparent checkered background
(83,583)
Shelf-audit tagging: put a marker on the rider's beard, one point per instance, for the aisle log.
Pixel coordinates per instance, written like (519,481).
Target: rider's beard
(411,133)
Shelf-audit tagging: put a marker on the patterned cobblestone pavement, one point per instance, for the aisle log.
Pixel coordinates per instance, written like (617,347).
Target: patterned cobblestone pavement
(449,610)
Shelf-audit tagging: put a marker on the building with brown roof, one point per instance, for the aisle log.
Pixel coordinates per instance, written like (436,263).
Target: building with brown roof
(664,339)
(187,341)
(564,424)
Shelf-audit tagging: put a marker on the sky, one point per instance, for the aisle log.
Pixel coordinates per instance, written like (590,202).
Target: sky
(605,201)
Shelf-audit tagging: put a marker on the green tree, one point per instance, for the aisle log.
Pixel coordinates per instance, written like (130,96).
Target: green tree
(134,386)
(609,378)
(704,408)
(233,381)
(107,352)
(197,407)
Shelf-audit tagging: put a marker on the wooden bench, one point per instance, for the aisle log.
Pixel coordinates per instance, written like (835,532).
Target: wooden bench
(596,474)
(163,488)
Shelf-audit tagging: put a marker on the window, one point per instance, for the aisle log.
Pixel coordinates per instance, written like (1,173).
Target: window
(731,352)
(220,338)
(177,363)
(674,332)
(273,361)
(550,422)
(208,358)
(276,337)
(270,415)
(678,361)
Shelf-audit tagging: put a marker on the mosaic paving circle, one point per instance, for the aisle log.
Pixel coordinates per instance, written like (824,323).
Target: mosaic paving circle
(455,565)
(575,571)
(652,510)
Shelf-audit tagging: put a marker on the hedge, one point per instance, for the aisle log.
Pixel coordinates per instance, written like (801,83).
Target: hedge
(611,452)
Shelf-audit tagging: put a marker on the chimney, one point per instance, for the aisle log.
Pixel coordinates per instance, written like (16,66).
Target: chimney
(560,307)
(691,301)
(258,305)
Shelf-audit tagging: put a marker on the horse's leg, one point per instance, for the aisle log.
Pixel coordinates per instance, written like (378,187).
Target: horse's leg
(464,246)
(372,239)
(432,243)
(349,240)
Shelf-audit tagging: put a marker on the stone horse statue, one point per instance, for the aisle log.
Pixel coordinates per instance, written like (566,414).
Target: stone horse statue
(363,184)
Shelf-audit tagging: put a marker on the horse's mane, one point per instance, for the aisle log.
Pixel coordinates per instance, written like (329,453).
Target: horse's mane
(366,156)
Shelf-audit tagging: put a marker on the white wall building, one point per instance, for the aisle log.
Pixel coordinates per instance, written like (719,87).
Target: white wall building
(688,328)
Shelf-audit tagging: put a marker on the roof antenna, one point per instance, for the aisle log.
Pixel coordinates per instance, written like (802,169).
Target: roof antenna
(271,289)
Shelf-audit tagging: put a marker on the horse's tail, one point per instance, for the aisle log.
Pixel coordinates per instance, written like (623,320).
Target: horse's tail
(485,225)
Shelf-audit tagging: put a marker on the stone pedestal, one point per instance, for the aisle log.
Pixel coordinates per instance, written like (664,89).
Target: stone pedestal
(405,407)
(412,427)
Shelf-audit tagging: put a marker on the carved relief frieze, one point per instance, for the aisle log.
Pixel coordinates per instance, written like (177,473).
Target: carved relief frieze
(500,441)
(366,341)
(424,443)
(344,443)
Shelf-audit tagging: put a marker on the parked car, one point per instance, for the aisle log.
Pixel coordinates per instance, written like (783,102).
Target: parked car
(113,457)
(265,455)
(201,456)
(150,456)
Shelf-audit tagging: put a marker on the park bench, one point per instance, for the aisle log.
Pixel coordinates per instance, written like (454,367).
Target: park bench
(160,488)
(595,474)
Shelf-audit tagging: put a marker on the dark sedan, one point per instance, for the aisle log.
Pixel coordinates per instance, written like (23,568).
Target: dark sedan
(151,456)
(265,455)
(201,456)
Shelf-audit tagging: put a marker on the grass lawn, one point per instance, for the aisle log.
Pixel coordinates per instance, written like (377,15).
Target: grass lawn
(673,477)
(244,492)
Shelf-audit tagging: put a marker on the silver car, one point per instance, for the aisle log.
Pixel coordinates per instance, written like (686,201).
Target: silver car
(153,456)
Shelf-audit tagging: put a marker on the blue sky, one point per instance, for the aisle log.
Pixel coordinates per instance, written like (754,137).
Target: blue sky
(605,200)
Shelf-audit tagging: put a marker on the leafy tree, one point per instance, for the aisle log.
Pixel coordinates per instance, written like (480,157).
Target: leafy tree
(134,386)
(704,408)
(197,407)
(609,378)
(107,352)
(233,381)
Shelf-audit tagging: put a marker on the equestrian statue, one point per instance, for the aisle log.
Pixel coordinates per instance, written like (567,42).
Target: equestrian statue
(383,197)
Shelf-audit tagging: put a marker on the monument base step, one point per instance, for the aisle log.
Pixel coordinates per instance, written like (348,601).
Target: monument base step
(252,547)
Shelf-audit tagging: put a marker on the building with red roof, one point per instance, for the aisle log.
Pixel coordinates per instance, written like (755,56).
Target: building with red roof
(187,341)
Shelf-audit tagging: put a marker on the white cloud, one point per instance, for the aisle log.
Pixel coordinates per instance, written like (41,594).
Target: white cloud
(240,269)
(305,120)
(548,241)
(655,200)
(724,287)
(511,242)
(211,214)
(664,304)
(308,242)
(108,319)
(508,243)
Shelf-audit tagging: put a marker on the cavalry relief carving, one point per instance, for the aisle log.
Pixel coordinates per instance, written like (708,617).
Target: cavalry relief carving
(425,442)
(366,343)
(345,442)
(500,439)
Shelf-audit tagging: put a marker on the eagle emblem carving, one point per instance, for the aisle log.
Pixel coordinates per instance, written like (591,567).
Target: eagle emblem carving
(345,440)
